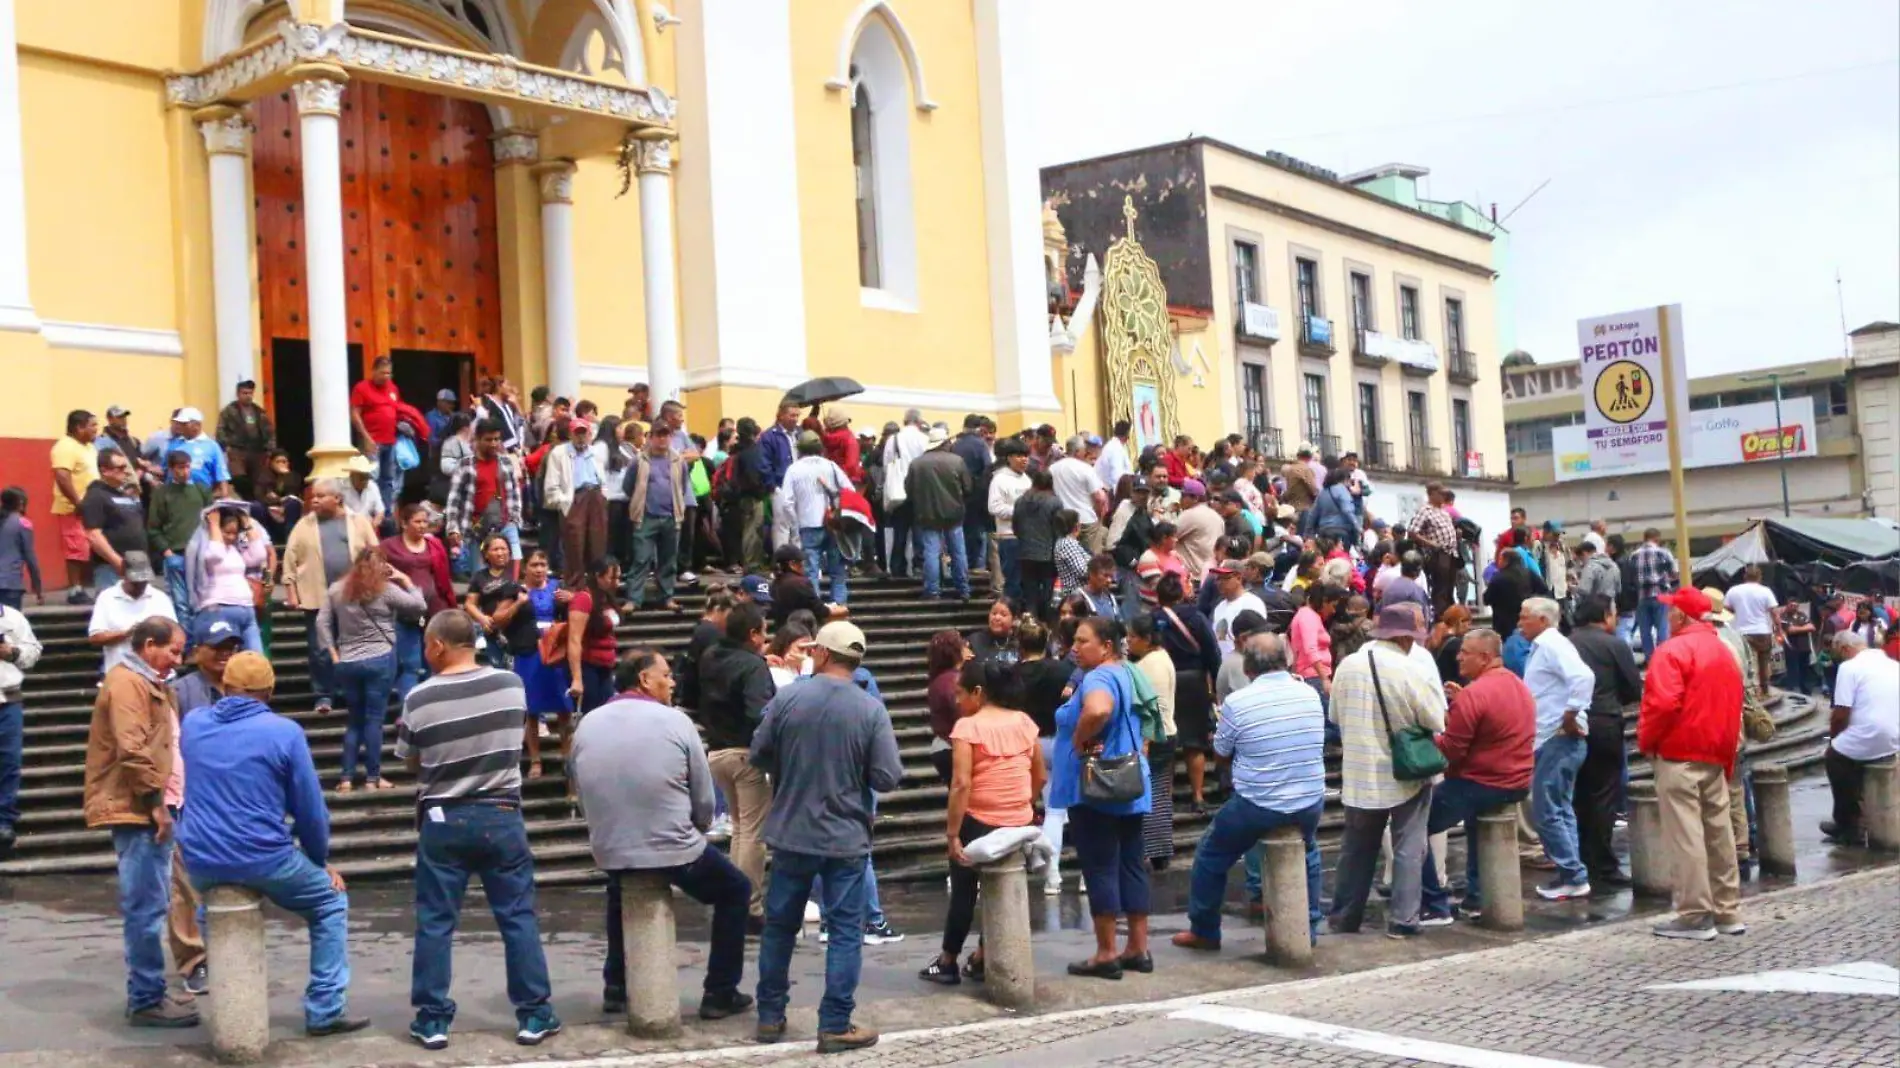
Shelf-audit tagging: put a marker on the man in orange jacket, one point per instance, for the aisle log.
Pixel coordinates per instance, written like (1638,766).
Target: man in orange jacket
(1690,728)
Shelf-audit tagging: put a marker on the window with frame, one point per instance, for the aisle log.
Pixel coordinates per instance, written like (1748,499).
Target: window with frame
(1368,415)
(1454,326)
(1246,274)
(1415,421)
(1460,430)
(1361,301)
(1408,313)
(1308,283)
(1253,399)
(1836,398)
(1315,407)
(864,169)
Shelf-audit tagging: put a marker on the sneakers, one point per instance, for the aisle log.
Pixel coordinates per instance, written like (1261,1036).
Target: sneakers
(342,1025)
(198,983)
(1052,886)
(430,1034)
(538,1027)
(768,1033)
(1469,910)
(167,1013)
(812,915)
(720,1006)
(940,973)
(1401,931)
(613,1001)
(846,1041)
(1702,930)
(1736,928)
(1558,890)
(879,934)
(78,596)
(1431,920)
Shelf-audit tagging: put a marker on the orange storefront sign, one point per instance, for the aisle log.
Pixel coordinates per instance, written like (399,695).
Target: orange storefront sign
(1767,445)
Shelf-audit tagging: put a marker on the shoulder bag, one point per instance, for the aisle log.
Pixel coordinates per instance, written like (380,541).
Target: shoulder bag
(1115,780)
(1414,755)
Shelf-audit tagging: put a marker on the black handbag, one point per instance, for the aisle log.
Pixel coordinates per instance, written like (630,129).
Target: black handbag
(1415,755)
(1116,780)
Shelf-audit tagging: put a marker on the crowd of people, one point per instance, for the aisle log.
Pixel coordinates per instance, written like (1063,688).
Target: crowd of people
(1154,610)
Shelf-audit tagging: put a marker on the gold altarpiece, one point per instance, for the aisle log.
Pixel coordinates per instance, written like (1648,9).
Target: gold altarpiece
(1138,336)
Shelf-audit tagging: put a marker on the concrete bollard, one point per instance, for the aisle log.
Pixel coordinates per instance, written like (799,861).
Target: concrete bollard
(1009,963)
(234,952)
(1774,818)
(1500,875)
(1649,871)
(1289,929)
(646,927)
(1880,804)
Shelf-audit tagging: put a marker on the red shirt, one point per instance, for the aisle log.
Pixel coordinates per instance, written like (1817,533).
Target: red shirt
(597,641)
(377,405)
(1490,731)
(1176,467)
(487,484)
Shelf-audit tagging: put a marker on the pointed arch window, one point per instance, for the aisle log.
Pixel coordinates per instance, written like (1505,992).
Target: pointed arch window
(881,116)
(864,170)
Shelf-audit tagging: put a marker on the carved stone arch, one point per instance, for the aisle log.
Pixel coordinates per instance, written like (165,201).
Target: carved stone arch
(562,29)
(854,26)
(226,22)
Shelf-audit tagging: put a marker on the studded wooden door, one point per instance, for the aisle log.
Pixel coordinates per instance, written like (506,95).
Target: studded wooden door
(419,240)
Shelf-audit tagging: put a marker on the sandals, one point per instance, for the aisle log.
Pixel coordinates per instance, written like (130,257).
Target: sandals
(345,787)
(382,784)
(534,770)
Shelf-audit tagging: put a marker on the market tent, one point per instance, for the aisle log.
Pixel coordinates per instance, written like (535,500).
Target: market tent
(1806,549)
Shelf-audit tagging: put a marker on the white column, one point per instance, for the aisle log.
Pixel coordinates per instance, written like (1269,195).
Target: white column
(16,305)
(655,166)
(1006,49)
(227,135)
(319,95)
(557,270)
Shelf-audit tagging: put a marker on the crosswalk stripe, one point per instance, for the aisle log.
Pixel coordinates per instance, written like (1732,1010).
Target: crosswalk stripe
(1400,1046)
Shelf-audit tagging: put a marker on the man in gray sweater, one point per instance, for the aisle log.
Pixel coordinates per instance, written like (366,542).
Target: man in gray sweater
(648,794)
(827,745)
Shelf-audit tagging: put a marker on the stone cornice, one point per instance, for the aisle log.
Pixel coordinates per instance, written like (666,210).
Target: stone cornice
(503,80)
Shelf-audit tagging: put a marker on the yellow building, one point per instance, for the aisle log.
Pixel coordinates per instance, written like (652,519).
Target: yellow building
(720,198)
(1304,308)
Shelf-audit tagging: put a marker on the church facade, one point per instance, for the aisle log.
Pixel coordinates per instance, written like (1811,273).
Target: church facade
(719,198)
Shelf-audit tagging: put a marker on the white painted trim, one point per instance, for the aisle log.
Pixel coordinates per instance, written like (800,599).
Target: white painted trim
(659,281)
(891,396)
(879,57)
(885,300)
(739,377)
(100,337)
(1418,1049)
(847,44)
(20,318)
(604,374)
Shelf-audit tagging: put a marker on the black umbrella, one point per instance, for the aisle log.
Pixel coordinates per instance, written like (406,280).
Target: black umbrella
(819,390)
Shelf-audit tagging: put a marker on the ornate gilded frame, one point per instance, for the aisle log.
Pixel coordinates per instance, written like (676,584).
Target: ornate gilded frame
(1138,336)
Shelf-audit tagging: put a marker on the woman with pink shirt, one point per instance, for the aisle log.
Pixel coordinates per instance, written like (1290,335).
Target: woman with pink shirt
(1313,645)
(1159,560)
(234,550)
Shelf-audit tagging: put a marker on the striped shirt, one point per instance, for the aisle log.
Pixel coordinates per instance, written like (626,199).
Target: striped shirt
(1275,733)
(466,730)
(1412,697)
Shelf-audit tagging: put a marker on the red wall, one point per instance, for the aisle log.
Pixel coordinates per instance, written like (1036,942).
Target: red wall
(27,463)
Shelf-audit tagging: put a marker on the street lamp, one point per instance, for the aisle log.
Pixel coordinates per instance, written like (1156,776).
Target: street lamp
(1781,451)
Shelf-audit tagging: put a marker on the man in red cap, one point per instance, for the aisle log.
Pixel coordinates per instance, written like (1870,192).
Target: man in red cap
(1690,728)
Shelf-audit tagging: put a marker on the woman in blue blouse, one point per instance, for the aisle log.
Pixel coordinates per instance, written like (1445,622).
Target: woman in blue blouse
(1101,717)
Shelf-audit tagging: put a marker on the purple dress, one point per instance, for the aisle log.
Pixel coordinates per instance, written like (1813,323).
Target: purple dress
(546,684)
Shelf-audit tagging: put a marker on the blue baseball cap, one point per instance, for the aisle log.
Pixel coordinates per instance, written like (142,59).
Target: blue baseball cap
(757,588)
(210,630)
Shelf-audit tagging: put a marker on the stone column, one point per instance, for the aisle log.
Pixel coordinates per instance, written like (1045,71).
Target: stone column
(1649,869)
(234,952)
(1289,927)
(646,925)
(1880,804)
(1774,814)
(318,90)
(655,166)
(1009,964)
(227,135)
(557,271)
(1500,877)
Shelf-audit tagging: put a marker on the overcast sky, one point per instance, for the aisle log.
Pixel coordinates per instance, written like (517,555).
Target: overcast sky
(1728,156)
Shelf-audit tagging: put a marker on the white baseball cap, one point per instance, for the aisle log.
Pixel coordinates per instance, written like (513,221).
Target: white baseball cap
(189,415)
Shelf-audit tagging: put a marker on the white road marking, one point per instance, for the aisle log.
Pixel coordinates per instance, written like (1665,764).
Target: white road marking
(1865,977)
(1399,1046)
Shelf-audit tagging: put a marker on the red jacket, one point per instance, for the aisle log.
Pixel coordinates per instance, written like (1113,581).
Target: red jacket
(1692,700)
(1177,468)
(1490,732)
(841,448)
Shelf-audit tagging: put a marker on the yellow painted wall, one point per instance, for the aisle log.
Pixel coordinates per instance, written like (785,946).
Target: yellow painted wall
(946,344)
(607,288)
(151,35)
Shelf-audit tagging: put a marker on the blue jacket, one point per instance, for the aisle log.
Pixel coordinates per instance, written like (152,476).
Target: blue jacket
(776,447)
(248,768)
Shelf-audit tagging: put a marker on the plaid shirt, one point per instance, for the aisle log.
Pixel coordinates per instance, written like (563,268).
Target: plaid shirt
(1433,527)
(1655,570)
(461,501)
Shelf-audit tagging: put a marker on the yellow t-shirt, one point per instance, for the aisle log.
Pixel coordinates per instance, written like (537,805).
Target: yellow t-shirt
(83,461)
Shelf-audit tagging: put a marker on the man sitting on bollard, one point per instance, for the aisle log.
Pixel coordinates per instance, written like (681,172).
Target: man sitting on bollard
(1690,727)
(648,793)
(1864,727)
(1272,733)
(1487,742)
(249,768)
(828,746)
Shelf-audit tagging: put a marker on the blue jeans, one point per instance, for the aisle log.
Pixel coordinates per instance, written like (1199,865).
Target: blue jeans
(410,667)
(785,897)
(364,686)
(322,668)
(873,908)
(12,748)
(1553,786)
(145,898)
(935,542)
(175,589)
(388,477)
(1008,552)
(976,546)
(822,557)
(1458,801)
(301,887)
(1237,829)
(490,842)
(241,617)
(656,548)
(1652,624)
(710,880)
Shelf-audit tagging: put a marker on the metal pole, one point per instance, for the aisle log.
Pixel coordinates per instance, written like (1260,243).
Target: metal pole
(1781,449)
